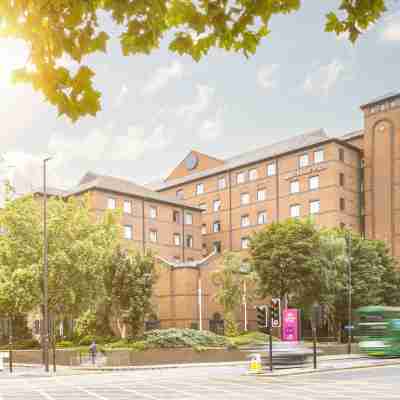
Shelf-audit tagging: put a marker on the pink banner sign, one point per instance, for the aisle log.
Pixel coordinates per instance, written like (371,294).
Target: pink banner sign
(290,331)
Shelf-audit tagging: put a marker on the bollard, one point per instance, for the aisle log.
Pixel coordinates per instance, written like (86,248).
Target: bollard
(255,364)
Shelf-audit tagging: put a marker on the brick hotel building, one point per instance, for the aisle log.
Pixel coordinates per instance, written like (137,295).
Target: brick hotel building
(209,205)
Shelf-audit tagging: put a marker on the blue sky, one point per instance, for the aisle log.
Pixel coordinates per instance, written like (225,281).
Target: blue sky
(158,107)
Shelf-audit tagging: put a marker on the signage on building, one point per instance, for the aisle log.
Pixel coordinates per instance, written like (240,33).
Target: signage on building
(290,331)
(312,169)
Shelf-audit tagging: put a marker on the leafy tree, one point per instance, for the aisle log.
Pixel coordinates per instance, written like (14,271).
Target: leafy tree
(375,279)
(229,280)
(283,256)
(77,246)
(128,279)
(60,30)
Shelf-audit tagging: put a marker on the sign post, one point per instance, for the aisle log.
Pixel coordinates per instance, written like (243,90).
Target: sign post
(270,339)
(315,320)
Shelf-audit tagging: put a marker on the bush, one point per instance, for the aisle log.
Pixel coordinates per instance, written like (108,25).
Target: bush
(65,344)
(171,338)
(25,344)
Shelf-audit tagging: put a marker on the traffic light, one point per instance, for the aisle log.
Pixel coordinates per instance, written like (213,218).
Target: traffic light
(276,313)
(262,318)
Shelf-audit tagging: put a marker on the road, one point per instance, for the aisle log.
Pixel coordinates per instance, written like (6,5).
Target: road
(219,383)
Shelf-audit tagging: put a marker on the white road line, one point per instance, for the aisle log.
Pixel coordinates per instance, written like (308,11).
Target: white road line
(149,396)
(42,393)
(90,393)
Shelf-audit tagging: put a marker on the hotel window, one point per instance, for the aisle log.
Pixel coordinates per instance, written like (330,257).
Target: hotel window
(128,232)
(127,207)
(153,212)
(204,229)
(244,221)
(318,156)
(341,154)
(217,226)
(245,242)
(216,205)
(179,194)
(313,182)
(200,188)
(341,179)
(153,237)
(244,198)
(221,183)
(253,175)
(176,216)
(241,177)
(314,207)
(203,207)
(295,211)
(189,241)
(111,203)
(303,160)
(342,204)
(177,239)
(271,169)
(262,218)
(261,194)
(217,247)
(188,218)
(294,187)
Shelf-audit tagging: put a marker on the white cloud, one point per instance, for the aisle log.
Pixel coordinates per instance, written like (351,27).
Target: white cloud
(265,76)
(391,30)
(324,78)
(162,76)
(211,129)
(123,92)
(203,99)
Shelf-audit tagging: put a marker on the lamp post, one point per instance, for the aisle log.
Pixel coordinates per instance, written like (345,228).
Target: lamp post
(45,272)
(349,301)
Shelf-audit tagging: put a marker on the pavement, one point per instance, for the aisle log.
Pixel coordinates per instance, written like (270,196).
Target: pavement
(212,383)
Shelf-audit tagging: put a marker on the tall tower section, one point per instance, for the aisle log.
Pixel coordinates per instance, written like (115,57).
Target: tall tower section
(382,170)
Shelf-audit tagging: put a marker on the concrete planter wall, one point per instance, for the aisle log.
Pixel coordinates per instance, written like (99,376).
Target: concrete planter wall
(63,357)
(172,356)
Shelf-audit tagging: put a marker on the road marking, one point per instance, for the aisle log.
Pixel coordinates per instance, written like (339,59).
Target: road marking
(149,396)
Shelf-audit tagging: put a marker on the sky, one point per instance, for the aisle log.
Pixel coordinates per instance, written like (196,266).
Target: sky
(156,108)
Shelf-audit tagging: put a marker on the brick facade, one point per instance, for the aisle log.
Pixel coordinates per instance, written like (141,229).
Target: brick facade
(352,181)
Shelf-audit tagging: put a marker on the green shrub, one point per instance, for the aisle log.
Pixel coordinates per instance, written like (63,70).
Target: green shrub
(170,338)
(65,344)
(25,344)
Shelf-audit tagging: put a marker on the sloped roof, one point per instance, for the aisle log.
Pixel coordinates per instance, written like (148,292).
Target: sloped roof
(352,135)
(387,96)
(262,153)
(123,186)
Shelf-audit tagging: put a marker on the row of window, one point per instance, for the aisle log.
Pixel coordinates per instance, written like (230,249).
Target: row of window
(261,194)
(241,177)
(252,174)
(244,222)
(153,211)
(314,207)
(153,236)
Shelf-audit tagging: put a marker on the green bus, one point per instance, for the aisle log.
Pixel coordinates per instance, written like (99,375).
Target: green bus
(377,329)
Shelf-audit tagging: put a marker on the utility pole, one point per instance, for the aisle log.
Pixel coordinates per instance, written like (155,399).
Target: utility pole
(349,302)
(45,272)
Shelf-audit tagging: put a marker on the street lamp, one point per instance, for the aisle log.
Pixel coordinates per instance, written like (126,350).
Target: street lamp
(349,302)
(45,272)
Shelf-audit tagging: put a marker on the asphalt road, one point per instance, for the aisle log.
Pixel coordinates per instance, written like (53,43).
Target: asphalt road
(219,383)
